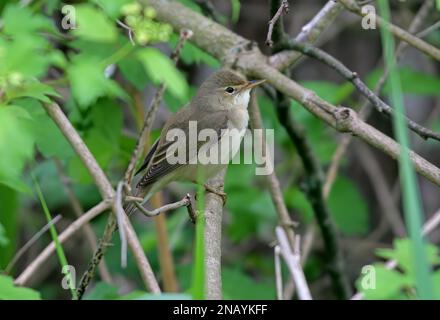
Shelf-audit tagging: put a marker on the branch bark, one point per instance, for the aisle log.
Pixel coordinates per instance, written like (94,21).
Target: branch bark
(25,276)
(106,190)
(213,238)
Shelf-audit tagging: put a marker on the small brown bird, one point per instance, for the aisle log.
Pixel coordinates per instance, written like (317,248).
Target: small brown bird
(220,103)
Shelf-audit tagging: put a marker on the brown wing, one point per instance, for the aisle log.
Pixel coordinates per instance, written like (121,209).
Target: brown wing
(158,164)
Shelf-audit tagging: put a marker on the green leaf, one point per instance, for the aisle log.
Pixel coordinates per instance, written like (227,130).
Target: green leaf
(235,10)
(4,241)
(436,281)
(10,292)
(161,69)
(33,89)
(192,54)
(102,291)
(112,7)
(385,283)
(296,199)
(94,25)
(134,72)
(9,207)
(14,155)
(89,82)
(14,56)
(48,137)
(19,20)
(402,254)
(348,208)
(237,285)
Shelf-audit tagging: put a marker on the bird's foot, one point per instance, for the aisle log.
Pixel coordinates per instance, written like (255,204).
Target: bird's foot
(218,192)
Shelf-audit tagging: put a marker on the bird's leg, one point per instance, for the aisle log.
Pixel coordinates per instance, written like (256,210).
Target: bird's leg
(218,192)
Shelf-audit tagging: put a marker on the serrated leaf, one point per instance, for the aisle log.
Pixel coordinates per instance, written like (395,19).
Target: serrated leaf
(161,69)
(19,20)
(402,254)
(33,89)
(112,7)
(94,25)
(89,82)
(382,284)
(10,292)
(48,137)
(16,145)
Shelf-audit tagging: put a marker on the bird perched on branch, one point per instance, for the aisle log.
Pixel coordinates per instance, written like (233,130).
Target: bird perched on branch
(213,125)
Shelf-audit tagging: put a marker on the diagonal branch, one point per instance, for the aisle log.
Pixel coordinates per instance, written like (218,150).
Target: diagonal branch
(106,190)
(353,77)
(24,277)
(398,32)
(283,8)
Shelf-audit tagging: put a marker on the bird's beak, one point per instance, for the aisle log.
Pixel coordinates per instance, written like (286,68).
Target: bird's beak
(253,83)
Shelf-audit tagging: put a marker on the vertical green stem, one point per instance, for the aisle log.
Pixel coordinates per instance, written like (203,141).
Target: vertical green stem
(54,235)
(411,195)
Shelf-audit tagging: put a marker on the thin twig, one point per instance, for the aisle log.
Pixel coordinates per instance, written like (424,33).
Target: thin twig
(364,109)
(172,206)
(353,77)
(310,33)
(36,264)
(292,259)
(278,274)
(273,183)
(78,210)
(30,242)
(284,8)
(383,194)
(398,32)
(120,214)
(209,9)
(313,189)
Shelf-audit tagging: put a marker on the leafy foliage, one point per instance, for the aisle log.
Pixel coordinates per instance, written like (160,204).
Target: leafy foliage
(398,284)
(10,292)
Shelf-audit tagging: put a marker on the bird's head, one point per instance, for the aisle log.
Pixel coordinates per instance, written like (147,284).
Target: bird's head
(226,89)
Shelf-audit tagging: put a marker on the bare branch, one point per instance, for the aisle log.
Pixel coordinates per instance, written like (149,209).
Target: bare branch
(398,32)
(30,242)
(364,112)
(293,261)
(273,183)
(284,8)
(36,264)
(78,210)
(309,33)
(213,238)
(186,201)
(353,77)
(278,274)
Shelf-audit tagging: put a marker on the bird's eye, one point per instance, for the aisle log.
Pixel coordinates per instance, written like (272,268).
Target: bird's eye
(229,90)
